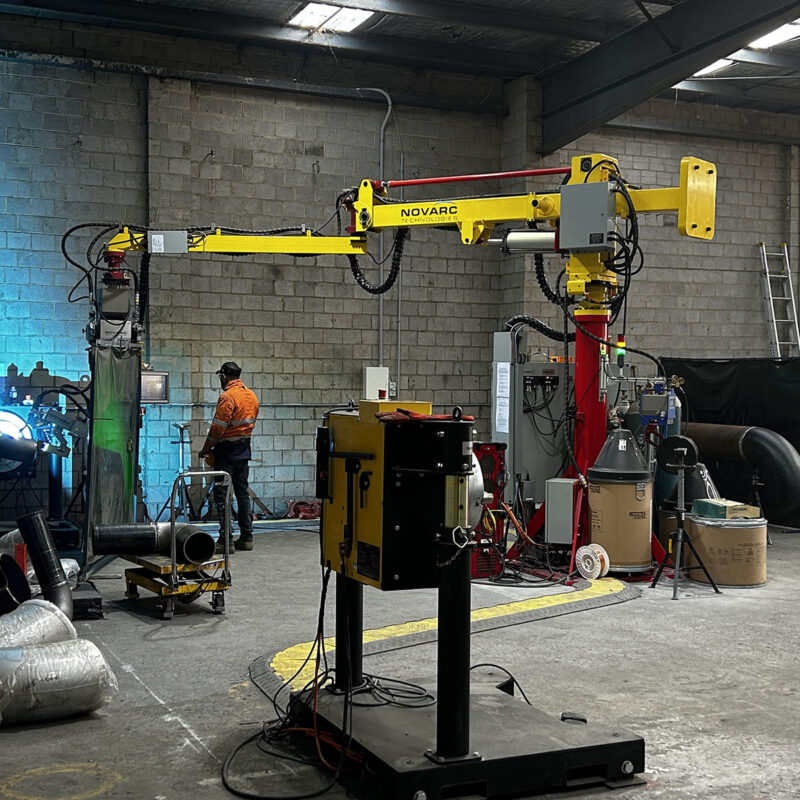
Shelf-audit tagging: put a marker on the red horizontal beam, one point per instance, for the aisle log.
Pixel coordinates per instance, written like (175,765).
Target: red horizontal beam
(485,176)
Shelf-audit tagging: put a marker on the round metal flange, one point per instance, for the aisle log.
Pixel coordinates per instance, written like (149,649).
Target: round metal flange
(675,452)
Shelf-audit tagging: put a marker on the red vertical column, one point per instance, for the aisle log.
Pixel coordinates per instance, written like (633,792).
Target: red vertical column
(590,406)
(591,411)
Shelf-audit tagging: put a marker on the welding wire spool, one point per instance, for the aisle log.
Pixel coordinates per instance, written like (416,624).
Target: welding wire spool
(589,563)
(603,556)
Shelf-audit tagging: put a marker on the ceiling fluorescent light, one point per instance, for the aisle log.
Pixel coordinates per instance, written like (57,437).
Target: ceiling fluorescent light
(323,16)
(780,35)
(313,15)
(347,19)
(717,65)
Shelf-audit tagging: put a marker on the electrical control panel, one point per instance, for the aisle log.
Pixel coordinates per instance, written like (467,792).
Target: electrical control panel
(658,408)
(587,217)
(527,409)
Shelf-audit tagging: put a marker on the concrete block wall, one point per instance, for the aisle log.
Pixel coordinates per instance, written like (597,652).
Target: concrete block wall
(301,328)
(693,297)
(172,152)
(72,149)
(64,135)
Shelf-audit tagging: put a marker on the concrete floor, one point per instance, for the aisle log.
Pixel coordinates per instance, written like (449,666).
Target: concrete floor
(708,681)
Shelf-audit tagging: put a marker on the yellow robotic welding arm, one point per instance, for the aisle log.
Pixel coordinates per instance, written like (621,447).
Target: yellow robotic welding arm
(582,216)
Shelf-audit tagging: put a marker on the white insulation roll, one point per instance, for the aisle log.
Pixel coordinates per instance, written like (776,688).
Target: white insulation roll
(35,622)
(52,681)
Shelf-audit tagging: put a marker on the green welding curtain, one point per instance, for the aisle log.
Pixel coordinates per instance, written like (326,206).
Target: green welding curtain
(114,438)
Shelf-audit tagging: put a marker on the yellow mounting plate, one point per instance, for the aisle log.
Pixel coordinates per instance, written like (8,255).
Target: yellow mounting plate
(698,192)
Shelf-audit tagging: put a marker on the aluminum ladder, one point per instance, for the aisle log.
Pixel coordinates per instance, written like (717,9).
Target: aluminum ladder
(779,301)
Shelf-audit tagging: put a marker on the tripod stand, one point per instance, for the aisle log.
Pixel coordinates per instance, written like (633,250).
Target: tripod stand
(183,506)
(678,455)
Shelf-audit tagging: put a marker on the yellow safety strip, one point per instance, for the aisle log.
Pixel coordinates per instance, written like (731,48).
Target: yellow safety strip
(289,661)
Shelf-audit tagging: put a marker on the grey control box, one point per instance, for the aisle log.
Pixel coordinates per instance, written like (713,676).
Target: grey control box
(559,510)
(587,217)
(167,242)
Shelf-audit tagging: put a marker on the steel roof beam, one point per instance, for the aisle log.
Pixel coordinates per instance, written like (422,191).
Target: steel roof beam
(486,18)
(772,94)
(617,75)
(203,24)
(766,58)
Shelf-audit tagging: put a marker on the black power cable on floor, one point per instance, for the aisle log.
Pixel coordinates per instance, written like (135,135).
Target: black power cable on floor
(504,670)
(269,734)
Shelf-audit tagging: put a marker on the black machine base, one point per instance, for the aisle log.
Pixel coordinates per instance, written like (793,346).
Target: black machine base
(87,602)
(518,750)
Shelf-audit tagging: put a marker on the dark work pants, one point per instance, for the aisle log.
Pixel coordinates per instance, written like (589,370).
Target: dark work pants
(239,471)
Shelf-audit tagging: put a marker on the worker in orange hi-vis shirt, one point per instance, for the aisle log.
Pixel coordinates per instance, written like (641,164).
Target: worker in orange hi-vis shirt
(228,441)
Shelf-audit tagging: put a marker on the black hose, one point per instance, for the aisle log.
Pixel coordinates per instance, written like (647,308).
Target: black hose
(144,287)
(46,563)
(541,279)
(541,327)
(397,257)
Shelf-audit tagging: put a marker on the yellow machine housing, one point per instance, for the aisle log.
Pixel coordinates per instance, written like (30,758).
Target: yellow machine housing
(392,493)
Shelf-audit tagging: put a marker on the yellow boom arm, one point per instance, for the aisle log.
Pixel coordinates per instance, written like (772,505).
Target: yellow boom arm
(693,199)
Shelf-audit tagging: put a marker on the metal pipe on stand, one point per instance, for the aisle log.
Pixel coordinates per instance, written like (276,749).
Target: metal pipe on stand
(194,545)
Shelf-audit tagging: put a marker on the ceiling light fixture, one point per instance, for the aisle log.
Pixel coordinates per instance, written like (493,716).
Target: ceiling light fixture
(323,16)
(717,65)
(780,35)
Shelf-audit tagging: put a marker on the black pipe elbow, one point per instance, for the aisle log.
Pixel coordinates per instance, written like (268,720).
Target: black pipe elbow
(45,561)
(779,467)
(777,460)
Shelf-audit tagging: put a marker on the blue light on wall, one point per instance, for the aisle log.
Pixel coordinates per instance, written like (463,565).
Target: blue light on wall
(12,424)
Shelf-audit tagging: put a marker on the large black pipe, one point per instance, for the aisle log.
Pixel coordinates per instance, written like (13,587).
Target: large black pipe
(192,544)
(776,458)
(45,561)
(17,589)
(23,450)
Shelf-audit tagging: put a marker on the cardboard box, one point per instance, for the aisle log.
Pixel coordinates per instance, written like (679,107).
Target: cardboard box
(724,509)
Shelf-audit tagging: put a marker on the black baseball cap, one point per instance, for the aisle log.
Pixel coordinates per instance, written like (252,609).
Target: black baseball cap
(230,368)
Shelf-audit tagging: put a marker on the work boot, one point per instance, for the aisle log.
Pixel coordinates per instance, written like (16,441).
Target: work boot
(244,542)
(220,548)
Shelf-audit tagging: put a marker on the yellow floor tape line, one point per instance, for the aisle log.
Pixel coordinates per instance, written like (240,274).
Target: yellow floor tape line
(289,661)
